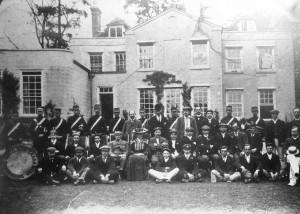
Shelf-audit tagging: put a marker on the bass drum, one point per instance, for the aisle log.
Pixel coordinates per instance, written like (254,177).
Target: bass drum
(19,162)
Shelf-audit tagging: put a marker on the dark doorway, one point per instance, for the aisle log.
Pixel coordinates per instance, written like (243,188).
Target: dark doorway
(107,104)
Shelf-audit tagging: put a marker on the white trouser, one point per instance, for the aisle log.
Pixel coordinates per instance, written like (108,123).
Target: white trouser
(215,174)
(163,175)
(294,166)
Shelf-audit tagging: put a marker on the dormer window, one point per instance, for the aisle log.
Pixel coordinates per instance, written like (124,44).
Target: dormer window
(247,25)
(116,31)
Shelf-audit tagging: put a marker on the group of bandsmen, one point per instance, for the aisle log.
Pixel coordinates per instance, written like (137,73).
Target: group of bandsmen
(185,148)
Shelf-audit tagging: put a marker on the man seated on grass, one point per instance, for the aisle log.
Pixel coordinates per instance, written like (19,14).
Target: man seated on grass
(156,146)
(78,167)
(51,168)
(270,163)
(249,165)
(174,144)
(166,168)
(104,168)
(188,168)
(225,168)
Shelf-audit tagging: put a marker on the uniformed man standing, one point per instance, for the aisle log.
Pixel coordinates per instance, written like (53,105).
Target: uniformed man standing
(97,123)
(39,131)
(259,123)
(143,119)
(76,122)
(172,120)
(116,123)
(59,125)
(229,119)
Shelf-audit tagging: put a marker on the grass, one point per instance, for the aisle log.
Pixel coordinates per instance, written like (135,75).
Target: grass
(144,197)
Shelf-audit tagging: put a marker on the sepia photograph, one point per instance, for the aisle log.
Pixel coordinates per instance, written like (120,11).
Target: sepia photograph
(149,106)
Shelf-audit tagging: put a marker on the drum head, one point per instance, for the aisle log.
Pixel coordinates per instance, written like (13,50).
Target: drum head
(19,162)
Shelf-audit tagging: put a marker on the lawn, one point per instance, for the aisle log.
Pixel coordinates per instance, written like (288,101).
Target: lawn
(148,197)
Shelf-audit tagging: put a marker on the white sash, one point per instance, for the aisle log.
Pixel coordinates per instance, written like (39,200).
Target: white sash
(13,129)
(230,121)
(174,123)
(257,120)
(75,122)
(39,123)
(117,123)
(95,123)
(60,122)
(144,123)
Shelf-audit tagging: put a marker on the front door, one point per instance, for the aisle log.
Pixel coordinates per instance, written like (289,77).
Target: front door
(107,104)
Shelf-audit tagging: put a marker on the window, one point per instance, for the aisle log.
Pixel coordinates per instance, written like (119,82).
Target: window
(233,59)
(235,99)
(200,97)
(115,32)
(106,90)
(265,58)
(147,101)
(146,57)
(120,62)
(172,99)
(32,91)
(96,62)
(266,103)
(200,54)
(247,26)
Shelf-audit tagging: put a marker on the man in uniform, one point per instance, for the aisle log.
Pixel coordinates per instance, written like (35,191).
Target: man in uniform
(76,122)
(172,120)
(212,123)
(159,121)
(270,163)
(97,123)
(259,123)
(186,121)
(143,119)
(59,125)
(38,131)
(200,119)
(156,145)
(295,121)
(131,124)
(116,123)
(229,119)
(275,132)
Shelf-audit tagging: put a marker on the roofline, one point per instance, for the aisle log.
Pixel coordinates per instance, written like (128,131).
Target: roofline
(49,49)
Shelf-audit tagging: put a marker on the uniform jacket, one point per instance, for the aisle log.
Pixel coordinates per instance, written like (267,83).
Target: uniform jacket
(156,147)
(104,167)
(16,135)
(180,127)
(163,124)
(277,130)
(272,165)
(42,128)
(260,123)
(146,124)
(252,166)
(187,165)
(62,129)
(100,127)
(81,122)
(227,119)
(203,145)
(161,165)
(171,120)
(113,122)
(228,167)
(76,166)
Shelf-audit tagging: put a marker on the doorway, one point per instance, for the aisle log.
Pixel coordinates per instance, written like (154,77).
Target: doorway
(106,98)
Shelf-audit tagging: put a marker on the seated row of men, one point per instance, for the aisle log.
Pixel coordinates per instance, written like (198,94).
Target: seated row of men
(225,160)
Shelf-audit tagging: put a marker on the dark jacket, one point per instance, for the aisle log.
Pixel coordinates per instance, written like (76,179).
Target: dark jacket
(228,167)
(113,122)
(49,166)
(220,141)
(200,121)
(192,142)
(81,122)
(163,124)
(203,145)
(255,142)
(100,126)
(291,142)
(94,150)
(161,165)
(252,166)
(213,125)
(58,145)
(61,130)
(76,166)
(104,167)
(272,165)
(237,142)
(70,150)
(290,126)
(187,166)
(157,147)
(180,127)
(227,121)
(178,146)
(277,130)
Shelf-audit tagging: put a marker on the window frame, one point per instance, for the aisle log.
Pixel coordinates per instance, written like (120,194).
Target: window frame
(149,114)
(168,110)
(96,54)
(227,70)
(234,103)
(139,44)
(207,66)
(208,98)
(259,104)
(273,58)
(22,91)
(116,62)
(115,28)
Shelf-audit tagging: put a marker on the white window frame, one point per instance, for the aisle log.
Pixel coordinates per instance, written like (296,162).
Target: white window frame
(124,65)
(273,58)
(208,98)
(258,99)
(96,54)
(147,115)
(22,89)
(233,103)
(116,31)
(179,107)
(207,66)
(139,57)
(227,58)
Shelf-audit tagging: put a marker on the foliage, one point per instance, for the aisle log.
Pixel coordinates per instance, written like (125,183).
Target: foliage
(147,9)
(186,94)
(10,86)
(53,18)
(159,79)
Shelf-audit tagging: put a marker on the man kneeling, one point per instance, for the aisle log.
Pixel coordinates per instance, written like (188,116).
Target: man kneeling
(225,168)
(165,169)
(104,168)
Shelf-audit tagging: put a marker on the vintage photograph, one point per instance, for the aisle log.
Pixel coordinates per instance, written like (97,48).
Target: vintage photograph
(149,106)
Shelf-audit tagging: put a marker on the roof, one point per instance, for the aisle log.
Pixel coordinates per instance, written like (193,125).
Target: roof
(117,22)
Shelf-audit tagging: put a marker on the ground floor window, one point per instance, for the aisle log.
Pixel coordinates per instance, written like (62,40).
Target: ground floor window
(173,98)
(266,102)
(200,98)
(235,99)
(147,101)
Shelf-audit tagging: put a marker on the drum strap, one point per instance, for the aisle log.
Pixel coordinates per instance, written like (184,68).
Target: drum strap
(13,129)
(60,122)
(39,123)
(230,121)
(144,123)
(257,120)
(117,123)
(75,122)
(99,118)
(173,124)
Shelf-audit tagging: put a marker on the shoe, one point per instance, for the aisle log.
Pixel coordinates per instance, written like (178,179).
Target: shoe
(55,182)
(158,181)
(229,181)
(184,180)
(111,181)
(168,181)
(76,183)
(292,183)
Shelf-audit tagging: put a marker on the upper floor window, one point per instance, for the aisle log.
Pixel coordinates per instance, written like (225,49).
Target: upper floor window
(200,54)
(146,55)
(247,25)
(32,91)
(115,32)
(120,61)
(265,58)
(96,62)
(233,59)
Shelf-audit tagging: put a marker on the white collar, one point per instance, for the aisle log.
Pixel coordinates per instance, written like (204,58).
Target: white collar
(295,138)
(270,156)
(275,120)
(166,160)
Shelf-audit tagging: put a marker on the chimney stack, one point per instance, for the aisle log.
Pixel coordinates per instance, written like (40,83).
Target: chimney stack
(96,19)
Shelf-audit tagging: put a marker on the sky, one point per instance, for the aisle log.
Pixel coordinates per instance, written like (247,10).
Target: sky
(15,21)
